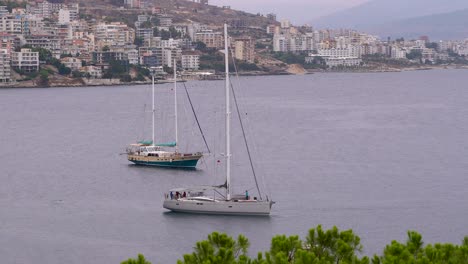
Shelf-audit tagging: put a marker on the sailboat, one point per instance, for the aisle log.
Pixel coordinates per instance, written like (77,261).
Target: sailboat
(150,154)
(218,199)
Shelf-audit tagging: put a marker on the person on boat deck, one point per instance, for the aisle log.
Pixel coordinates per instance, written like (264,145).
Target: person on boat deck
(246,194)
(184,195)
(177,195)
(171,195)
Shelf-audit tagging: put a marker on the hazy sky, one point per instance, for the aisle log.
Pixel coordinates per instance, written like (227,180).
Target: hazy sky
(297,11)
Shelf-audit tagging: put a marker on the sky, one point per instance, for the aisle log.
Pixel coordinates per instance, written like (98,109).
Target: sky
(297,11)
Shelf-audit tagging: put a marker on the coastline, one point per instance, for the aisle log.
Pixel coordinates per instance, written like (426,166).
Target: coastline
(81,82)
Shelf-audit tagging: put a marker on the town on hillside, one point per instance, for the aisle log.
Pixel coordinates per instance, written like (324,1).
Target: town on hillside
(104,42)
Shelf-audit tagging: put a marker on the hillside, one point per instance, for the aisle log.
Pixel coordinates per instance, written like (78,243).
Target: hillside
(183,12)
(439,27)
(378,12)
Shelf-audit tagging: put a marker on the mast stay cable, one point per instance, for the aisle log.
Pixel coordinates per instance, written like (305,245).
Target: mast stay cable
(243,131)
(196,118)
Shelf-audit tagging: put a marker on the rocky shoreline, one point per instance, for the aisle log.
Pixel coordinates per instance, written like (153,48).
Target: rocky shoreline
(291,70)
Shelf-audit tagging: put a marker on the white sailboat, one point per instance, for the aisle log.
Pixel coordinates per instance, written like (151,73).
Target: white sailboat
(218,199)
(149,153)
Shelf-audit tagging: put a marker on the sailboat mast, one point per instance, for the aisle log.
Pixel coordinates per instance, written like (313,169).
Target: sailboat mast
(228,118)
(175,107)
(153,110)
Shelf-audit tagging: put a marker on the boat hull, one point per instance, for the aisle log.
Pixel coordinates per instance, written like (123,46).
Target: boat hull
(252,207)
(175,162)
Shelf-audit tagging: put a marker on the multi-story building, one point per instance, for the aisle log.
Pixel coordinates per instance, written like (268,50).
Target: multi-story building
(165,20)
(346,62)
(31,23)
(113,34)
(244,49)
(210,38)
(351,51)
(64,16)
(132,3)
(7,42)
(398,52)
(10,24)
(3,11)
(48,42)
(25,60)
(72,63)
(5,71)
(92,71)
(190,60)
(280,43)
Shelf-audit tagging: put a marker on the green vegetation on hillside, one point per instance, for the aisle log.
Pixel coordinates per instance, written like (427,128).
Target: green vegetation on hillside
(320,246)
(12,4)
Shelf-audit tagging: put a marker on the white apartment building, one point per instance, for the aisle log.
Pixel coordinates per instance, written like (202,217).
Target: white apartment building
(280,43)
(5,71)
(346,62)
(64,16)
(93,71)
(165,21)
(10,24)
(194,28)
(398,53)
(462,50)
(25,60)
(171,43)
(3,11)
(285,23)
(113,34)
(351,51)
(190,61)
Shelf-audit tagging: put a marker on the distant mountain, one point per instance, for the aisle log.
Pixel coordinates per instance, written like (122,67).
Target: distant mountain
(378,12)
(453,25)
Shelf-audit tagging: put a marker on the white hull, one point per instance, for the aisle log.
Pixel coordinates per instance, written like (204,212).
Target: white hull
(233,207)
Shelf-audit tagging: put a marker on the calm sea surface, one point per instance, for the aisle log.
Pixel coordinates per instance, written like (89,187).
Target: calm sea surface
(378,153)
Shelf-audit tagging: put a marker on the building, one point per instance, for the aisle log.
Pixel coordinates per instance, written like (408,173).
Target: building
(72,63)
(280,43)
(244,49)
(190,60)
(48,42)
(10,24)
(132,3)
(165,21)
(3,11)
(7,42)
(210,38)
(343,62)
(113,34)
(271,16)
(285,23)
(64,16)
(398,53)
(25,60)
(5,70)
(92,71)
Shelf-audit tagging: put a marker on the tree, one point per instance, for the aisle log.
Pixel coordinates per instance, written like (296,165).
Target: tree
(219,249)
(140,260)
(146,24)
(414,54)
(43,78)
(321,246)
(139,41)
(200,45)
(432,45)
